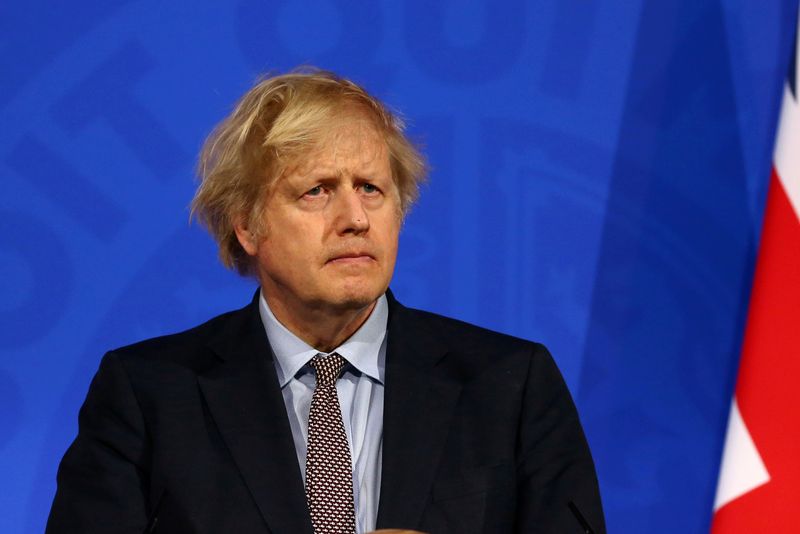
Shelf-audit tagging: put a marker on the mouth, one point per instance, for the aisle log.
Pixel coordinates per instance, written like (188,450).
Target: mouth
(353,258)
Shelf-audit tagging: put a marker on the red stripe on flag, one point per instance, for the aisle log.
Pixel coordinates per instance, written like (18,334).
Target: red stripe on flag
(768,388)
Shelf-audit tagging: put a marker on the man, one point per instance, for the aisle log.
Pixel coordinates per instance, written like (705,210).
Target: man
(324,405)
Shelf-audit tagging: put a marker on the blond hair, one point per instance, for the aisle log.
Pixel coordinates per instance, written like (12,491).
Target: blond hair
(276,123)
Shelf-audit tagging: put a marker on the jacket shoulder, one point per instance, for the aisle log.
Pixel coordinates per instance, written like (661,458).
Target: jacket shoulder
(460,334)
(189,347)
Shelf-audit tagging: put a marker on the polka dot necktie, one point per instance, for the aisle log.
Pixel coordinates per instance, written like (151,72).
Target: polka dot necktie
(329,475)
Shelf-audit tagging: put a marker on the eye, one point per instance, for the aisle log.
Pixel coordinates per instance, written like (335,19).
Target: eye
(314,191)
(370,189)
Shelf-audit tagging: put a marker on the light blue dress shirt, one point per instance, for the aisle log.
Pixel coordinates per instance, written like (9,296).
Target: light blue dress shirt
(360,390)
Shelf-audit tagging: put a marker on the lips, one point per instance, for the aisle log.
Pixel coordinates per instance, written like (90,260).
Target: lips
(351,257)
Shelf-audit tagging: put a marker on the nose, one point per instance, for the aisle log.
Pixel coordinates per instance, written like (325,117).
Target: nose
(351,217)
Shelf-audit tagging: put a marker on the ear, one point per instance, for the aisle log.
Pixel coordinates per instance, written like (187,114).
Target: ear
(246,238)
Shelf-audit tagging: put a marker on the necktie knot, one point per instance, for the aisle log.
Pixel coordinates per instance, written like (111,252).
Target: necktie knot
(328,368)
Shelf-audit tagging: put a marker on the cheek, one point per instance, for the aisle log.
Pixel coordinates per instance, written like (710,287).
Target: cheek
(291,242)
(390,237)
(283,249)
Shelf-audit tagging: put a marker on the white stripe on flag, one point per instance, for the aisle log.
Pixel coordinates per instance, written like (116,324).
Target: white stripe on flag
(742,468)
(787,146)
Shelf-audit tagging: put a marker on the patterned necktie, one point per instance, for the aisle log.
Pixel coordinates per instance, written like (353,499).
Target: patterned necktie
(329,472)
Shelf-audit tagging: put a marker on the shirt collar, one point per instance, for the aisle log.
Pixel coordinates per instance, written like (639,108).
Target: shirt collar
(362,350)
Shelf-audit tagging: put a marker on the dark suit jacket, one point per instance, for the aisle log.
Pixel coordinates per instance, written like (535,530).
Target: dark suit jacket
(189,433)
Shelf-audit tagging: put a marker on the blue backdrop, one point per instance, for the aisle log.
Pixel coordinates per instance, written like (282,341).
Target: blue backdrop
(599,170)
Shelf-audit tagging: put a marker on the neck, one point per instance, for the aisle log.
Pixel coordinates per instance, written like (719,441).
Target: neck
(321,327)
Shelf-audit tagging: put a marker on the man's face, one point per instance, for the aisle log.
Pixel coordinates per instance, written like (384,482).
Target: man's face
(331,225)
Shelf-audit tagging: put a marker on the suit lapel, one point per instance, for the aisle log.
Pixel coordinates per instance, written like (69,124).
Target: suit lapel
(418,407)
(247,406)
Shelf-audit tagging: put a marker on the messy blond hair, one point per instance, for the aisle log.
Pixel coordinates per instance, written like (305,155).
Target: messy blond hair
(277,122)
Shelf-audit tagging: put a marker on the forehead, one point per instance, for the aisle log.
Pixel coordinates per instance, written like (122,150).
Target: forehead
(351,139)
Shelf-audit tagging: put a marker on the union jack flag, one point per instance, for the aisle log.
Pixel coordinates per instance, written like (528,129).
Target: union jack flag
(759,484)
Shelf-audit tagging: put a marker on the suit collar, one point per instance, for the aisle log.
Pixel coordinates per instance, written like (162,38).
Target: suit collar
(419,402)
(246,404)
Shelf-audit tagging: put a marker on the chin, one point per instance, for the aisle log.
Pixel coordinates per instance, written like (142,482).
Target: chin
(357,297)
